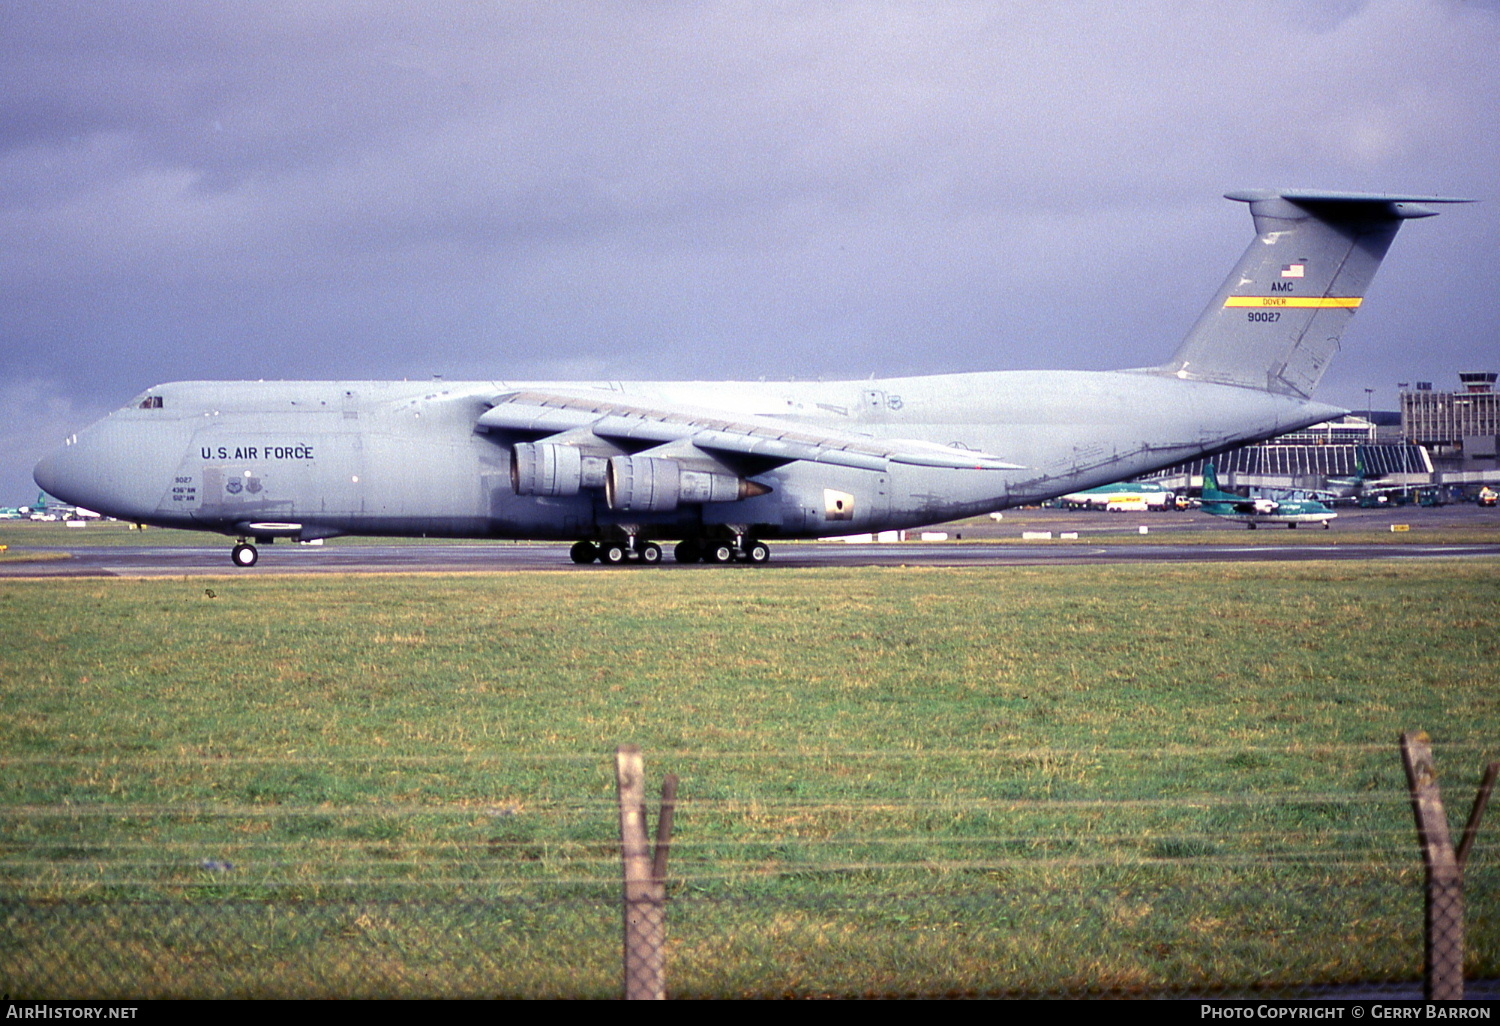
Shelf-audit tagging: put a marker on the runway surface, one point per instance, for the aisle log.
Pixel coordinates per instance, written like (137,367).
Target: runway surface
(989,543)
(146,561)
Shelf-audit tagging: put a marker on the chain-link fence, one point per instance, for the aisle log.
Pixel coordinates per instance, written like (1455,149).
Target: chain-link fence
(939,937)
(772,890)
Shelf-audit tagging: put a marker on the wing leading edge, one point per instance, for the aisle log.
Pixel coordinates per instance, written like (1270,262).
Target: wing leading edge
(546,413)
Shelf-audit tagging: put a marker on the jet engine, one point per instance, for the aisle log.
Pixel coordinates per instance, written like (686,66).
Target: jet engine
(651,484)
(538,468)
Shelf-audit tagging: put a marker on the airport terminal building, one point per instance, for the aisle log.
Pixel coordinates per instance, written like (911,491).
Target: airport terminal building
(1445,439)
(1458,428)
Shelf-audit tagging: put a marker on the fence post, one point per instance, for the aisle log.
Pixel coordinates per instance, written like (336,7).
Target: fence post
(1443,969)
(645,895)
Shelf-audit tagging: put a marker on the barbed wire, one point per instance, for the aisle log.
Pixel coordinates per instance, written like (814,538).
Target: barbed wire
(667,755)
(224,871)
(77,809)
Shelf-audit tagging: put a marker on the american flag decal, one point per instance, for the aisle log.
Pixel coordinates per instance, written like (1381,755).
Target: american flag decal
(1294,271)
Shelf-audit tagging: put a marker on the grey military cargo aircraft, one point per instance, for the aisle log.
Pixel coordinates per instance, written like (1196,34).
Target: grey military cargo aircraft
(721,468)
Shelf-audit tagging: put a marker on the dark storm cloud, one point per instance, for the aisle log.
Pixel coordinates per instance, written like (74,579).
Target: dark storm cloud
(703,190)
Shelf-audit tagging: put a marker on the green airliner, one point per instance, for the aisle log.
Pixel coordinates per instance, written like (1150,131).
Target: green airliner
(1254,512)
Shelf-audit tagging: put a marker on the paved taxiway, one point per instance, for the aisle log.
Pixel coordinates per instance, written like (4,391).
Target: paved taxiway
(985,543)
(364,559)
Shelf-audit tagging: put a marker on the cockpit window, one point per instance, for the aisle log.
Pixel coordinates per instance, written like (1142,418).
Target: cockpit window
(151,402)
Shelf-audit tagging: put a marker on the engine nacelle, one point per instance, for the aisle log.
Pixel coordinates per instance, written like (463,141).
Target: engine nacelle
(539,468)
(651,484)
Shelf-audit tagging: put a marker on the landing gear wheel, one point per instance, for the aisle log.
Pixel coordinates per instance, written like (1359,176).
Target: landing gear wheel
(583,552)
(649,552)
(757,552)
(719,552)
(244,554)
(613,553)
(1251,526)
(688,551)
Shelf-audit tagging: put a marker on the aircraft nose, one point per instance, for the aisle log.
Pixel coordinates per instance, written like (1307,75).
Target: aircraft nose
(70,474)
(46,474)
(99,469)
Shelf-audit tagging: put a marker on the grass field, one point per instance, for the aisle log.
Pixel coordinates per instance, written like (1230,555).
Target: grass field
(893,780)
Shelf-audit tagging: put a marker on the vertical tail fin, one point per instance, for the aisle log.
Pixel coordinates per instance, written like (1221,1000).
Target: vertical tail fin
(1211,490)
(1276,321)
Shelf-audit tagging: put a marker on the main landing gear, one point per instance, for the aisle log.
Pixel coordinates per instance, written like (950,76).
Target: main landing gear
(244,554)
(742,549)
(692,550)
(616,553)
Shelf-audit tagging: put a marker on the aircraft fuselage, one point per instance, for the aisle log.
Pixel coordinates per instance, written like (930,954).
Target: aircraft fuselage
(316,459)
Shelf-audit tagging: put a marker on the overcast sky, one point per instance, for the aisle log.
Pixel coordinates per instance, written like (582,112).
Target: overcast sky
(706,190)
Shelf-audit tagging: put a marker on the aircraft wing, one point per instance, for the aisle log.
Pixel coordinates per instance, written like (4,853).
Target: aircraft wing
(553,412)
